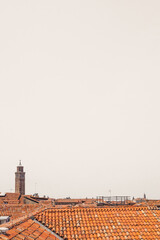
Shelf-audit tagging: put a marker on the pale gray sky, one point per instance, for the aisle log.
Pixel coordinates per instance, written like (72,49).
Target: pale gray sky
(79,96)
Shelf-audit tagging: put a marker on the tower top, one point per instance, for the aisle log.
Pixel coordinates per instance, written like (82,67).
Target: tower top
(20,163)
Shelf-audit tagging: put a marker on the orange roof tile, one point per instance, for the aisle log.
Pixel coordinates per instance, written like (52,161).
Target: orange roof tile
(28,230)
(10,198)
(103,223)
(18,210)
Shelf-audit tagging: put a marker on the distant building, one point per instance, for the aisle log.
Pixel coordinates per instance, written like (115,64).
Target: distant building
(20,180)
(4,219)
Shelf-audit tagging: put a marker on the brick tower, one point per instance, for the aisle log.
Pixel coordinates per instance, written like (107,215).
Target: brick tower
(20,180)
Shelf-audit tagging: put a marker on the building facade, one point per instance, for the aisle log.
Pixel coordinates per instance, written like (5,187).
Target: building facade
(20,180)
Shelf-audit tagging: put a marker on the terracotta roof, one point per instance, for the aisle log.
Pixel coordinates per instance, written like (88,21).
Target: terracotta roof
(18,210)
(110,223)
(72,201)
(16,198)
(153,202)
(11,198)
(28,230)
(40,198)
(77,200)
(30,198)
(68,201)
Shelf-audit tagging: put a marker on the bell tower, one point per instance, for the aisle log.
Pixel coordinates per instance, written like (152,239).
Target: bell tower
(20,179)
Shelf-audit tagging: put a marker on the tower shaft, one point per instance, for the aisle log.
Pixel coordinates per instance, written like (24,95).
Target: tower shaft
(20,180)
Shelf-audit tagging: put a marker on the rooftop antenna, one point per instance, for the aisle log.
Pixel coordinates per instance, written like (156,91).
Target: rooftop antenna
(20,163)
(110,193)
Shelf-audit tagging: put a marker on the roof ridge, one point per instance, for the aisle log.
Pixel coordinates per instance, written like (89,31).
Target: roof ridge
(135,208)
(49,230)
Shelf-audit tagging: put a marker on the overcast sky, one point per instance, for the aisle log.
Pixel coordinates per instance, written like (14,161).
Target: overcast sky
(80,96)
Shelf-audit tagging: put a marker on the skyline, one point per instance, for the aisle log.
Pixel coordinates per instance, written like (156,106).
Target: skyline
(13,190)
(79,96)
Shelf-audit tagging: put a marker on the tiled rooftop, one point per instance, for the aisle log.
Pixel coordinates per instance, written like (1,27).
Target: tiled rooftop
(112,223)
(17,210)
(83,221)
(11,198)
(75,200)
(16,198)
(28,230)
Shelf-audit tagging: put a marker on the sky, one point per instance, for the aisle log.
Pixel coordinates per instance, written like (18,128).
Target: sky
(79,97)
